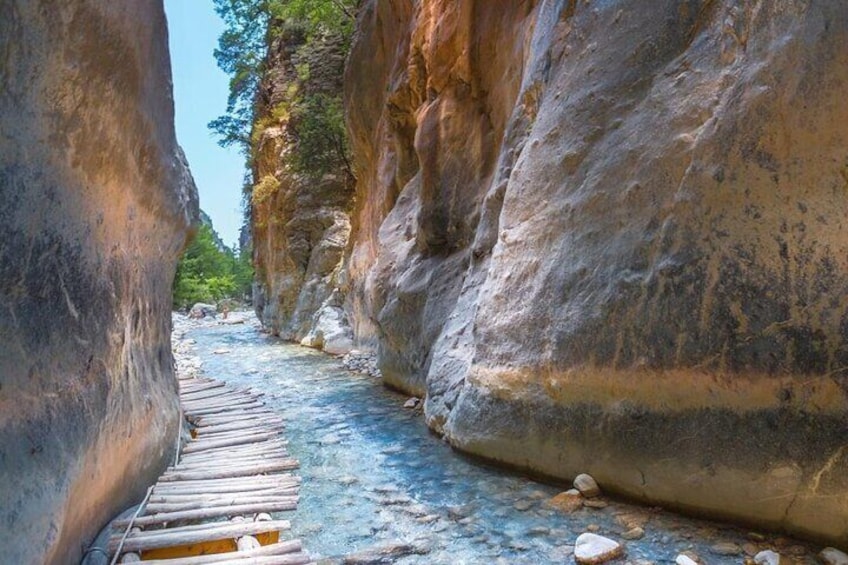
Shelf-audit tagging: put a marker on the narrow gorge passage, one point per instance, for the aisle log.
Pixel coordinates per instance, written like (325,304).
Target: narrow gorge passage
(376,480)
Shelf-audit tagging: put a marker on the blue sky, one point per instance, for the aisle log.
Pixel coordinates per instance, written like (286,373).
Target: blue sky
(200,96)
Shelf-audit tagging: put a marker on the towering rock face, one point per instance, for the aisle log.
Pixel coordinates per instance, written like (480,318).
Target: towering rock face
(611,237)
(95,204)
(301,221)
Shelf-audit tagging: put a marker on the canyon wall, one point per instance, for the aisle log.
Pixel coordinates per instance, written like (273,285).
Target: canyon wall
(610,237)
(95,204)
(302,193)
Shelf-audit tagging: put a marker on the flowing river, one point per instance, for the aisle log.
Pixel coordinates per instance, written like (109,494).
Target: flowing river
(376,482)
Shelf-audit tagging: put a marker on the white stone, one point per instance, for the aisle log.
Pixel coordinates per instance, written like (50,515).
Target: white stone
(767,557)
(685,560)
(592,548)
(586,485)
(330,331)
(412,402)
(832,556)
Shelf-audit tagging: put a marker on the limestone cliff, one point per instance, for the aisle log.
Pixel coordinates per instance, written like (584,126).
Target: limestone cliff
(95,204)
(300,210)
(611,237)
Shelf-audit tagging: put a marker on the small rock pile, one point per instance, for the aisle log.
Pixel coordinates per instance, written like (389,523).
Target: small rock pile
(364,362)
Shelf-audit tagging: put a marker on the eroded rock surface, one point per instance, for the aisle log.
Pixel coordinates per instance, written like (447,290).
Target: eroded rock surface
(301,222)
(95,204)
(610,237)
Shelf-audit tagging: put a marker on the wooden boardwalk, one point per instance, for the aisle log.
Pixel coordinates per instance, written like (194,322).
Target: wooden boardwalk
(214,506)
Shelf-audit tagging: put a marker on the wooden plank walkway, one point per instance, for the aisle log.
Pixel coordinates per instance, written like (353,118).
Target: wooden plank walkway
(214,506)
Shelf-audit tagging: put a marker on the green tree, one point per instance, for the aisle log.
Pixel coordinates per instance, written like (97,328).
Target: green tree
(249,27)
(209,273)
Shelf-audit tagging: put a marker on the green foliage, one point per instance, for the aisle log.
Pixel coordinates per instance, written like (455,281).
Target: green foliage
(321,136)
(318,16)
(265,189)
(249,25)
(240,53)
(207,273)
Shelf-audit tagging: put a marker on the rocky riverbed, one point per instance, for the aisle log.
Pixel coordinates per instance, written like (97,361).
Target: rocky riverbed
(379,488)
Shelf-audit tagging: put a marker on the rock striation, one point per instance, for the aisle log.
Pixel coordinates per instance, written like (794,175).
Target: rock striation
(300,222)
(610,237)
(95,204)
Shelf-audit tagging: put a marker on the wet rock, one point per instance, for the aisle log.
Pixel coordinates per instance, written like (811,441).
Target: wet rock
(750,549)
(592,548)
(767,557)
(593,528)
(632,518)
(586,485)
(725,548)
(595,503)
(567,501)
(427,519)
(833,556)
(222,351)
(523,505)
(386,554)
(633,534)
(561,553)
(200,310)
(412,402)
(329,331)
(460,511)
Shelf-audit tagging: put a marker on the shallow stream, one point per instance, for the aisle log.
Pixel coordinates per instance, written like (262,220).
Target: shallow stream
(375,477)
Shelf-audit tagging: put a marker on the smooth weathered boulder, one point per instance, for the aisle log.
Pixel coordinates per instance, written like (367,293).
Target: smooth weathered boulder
(608,237)
(591,549)
(95,204)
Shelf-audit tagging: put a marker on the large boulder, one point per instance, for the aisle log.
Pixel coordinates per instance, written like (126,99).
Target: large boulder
(608,237)
(95,204)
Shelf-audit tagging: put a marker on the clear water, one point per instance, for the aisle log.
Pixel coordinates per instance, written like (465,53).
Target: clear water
(373,474)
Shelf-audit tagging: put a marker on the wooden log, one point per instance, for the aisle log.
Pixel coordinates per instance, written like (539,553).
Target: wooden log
(274,421)
(204,385)
(230,400)
(196,446)
(281,548)
(157,539)
(211,419)
(224,489)
(255,423)
(281,465)
(225,457)
(188,389)
(272,492)
(276,440)
(217,393)
(207,393)
(243,462)
(241,409)
(205,513)
(163,507)
(207,432)
(235,435)
(217,453)
(255,479)
(256,459)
